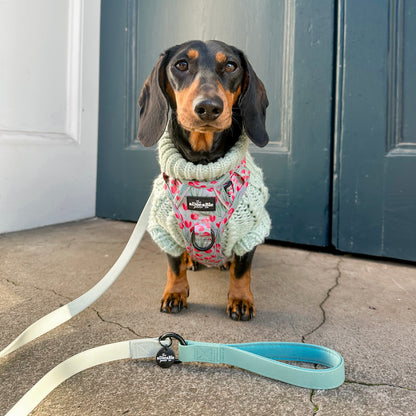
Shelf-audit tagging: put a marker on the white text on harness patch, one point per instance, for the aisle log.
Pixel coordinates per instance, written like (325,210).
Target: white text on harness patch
(196,203)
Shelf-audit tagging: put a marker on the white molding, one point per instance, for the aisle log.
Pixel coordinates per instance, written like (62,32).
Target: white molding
(74,81)
(286,126)
(71,133)
(34,137)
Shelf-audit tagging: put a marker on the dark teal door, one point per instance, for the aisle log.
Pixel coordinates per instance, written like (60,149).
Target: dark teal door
(375,170)
(341,163)
(290,45)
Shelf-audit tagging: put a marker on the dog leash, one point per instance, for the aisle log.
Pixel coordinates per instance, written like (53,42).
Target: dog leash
(261,358)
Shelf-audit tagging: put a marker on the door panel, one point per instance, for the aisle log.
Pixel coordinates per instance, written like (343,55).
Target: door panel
(49,70)
(290,45)
(375,187)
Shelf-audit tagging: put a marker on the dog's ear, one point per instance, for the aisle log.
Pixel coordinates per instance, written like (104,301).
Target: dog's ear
(253,103)
(154,106)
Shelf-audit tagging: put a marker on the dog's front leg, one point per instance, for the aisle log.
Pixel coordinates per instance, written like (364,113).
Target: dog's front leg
(177,287)
(240,299)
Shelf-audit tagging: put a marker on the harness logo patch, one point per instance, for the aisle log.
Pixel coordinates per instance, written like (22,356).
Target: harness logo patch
(201,203)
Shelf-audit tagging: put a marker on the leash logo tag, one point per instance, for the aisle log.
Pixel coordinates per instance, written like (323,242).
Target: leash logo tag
(201,203)
(165,358)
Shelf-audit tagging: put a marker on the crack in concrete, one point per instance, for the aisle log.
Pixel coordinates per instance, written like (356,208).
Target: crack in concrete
(70,299)
(360,383)
(324,317)
(321,305)
(41,289)
(394,386)
(116,323)
(315,406)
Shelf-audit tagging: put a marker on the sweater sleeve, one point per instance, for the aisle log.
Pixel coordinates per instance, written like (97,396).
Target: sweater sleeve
(250,224)
(163,226)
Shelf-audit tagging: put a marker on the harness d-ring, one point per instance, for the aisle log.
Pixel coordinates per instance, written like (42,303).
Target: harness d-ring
(203,248)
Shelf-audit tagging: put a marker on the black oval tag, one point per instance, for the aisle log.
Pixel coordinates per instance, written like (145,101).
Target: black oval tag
(165,358)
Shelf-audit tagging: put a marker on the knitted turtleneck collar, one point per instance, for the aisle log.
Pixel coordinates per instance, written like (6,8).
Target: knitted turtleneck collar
(176,166)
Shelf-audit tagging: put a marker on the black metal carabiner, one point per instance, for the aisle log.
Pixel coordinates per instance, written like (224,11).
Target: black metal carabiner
(171,335)
(165,357)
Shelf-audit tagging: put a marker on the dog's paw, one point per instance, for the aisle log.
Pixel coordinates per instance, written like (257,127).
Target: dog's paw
(240,309)
(192,266)
(173,302)
(226,266)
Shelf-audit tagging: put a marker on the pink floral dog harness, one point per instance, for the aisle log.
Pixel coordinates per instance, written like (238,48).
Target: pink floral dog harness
(203,209)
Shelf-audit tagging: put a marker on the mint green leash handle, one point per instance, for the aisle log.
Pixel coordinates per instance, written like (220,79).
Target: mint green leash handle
(265,358)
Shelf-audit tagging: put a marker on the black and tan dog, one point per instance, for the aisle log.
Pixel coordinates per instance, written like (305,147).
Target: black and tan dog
(213,94)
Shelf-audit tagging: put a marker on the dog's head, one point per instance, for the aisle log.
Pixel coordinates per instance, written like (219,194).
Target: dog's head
(204,83)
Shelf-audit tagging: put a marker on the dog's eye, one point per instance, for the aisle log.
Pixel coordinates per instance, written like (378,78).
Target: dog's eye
(181,65)
(230,66)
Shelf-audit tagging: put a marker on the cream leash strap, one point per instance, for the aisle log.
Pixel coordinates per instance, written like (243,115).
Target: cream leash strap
(140,348)
(68,311)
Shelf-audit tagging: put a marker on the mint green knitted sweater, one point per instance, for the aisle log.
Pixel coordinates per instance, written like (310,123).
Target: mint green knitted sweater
(248,226)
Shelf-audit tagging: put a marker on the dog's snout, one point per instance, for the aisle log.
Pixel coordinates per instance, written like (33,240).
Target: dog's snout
(208,109)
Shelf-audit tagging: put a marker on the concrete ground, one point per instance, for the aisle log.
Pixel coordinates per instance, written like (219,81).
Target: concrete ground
(363,308)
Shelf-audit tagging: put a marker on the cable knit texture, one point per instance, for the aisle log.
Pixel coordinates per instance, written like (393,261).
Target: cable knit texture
(248,226)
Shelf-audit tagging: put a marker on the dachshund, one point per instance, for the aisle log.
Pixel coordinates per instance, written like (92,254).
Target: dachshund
(213,96)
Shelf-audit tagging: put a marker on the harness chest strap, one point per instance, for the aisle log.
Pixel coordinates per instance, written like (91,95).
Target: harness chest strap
(203,209)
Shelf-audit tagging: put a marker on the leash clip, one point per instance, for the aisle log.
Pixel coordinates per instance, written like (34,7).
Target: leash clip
(165,357)
(171,335)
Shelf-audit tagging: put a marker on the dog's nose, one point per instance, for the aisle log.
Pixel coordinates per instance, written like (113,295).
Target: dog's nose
(209,109)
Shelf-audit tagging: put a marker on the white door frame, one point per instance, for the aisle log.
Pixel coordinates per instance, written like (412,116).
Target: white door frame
(49,83)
